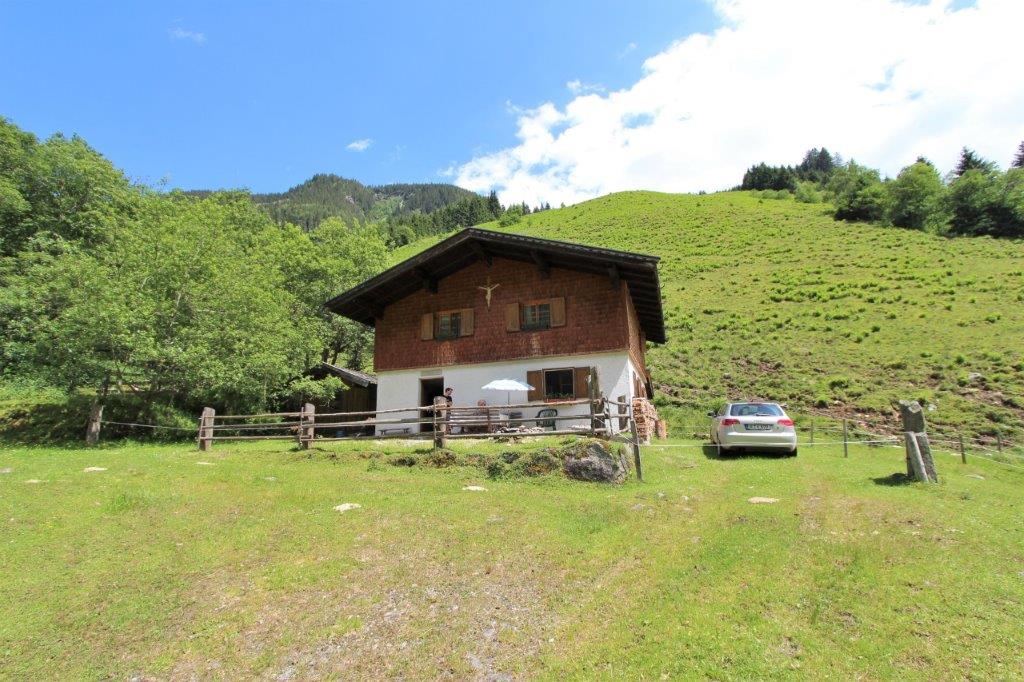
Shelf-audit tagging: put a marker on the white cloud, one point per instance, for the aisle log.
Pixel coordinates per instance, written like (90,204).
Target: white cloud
(359,145)
(880,81)
(178,33)
(578,87)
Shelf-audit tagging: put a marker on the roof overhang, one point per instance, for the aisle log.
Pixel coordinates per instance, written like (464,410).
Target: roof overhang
(350,376)
(367,301)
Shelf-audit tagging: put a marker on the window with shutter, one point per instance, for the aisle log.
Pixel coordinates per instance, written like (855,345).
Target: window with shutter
(449,325)
(427,326)
(558,384)
(536,315)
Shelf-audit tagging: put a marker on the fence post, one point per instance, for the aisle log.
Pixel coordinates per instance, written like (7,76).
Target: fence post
(206,429)
(306,429)
(963,453)
(846,443)
(920,464)
(636,445)
(812,430)
(92,431)
(999,441)
(440,425)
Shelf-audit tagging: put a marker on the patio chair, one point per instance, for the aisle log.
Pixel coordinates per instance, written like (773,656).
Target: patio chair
(546,423)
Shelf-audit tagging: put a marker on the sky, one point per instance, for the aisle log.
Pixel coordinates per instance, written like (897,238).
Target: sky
(543,101)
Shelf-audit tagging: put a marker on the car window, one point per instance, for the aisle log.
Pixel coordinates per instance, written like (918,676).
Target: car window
(755,409)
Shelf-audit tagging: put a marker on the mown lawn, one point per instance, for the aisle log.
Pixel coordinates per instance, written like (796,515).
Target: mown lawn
(162,566)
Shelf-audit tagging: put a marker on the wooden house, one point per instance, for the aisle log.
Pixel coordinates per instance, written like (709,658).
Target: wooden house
(484,305)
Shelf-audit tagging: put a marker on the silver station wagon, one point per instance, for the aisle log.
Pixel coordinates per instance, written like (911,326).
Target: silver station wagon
(753,426)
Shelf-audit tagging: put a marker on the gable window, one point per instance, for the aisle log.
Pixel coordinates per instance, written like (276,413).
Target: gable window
(558,384)
(544,313)
(536,316)
(449,325)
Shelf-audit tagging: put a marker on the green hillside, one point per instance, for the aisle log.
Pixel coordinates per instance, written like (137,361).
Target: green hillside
(775,299)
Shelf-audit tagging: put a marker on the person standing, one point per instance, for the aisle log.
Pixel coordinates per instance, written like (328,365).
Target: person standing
(448,409)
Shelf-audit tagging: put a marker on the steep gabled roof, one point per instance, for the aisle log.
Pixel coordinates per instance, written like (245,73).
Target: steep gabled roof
(366,302)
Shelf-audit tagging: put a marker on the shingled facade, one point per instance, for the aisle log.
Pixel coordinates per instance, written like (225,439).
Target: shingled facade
(485,305)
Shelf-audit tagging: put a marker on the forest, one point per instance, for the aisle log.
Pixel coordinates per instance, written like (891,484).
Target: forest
(975,198)
(164,301)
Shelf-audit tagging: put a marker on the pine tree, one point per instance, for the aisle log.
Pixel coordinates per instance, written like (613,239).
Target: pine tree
(493,205)
(1018,160)
(970,160)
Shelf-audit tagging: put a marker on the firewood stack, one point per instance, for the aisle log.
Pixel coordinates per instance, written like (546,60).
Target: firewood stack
(646,416)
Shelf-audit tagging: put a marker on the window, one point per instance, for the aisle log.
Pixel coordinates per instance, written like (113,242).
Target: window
(449,325)
(536,316)
(558,383)
(756,409)
(544,313)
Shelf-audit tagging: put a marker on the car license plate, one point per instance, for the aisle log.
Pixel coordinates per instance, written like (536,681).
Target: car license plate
(758,427)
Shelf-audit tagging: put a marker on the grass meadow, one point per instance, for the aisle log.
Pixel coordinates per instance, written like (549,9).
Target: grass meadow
(161,562)
(774,299)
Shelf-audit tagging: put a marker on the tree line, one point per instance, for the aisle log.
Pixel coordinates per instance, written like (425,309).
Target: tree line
(975,198)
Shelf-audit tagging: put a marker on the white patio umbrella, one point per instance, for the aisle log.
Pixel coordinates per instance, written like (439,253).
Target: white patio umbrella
(507,385)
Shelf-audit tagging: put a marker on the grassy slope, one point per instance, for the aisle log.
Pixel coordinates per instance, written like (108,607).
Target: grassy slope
(164,567)
(775,299)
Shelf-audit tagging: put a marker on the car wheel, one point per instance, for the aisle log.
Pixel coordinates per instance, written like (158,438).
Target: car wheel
(792,453)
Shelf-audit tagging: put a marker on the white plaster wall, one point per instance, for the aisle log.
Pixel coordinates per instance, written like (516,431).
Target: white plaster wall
(401,388)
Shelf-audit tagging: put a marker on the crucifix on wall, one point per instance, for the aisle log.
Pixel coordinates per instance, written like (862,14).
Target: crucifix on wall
(488,289)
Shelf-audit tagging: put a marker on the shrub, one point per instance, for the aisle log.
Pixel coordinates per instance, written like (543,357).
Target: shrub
(807,193)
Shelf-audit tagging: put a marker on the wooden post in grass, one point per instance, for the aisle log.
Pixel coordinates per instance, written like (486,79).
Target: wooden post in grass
(206,429)
(920,464)
(440,421)
(999,441)
(306,429)
(636,445)
(92,431)
(812,430)
(846,444)
(963,453)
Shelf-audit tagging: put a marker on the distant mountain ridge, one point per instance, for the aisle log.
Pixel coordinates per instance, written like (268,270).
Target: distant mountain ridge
(327,195)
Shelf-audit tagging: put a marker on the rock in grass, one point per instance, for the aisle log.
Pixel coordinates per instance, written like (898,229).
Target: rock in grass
(33,480)
(6,470)
(90,469)
(347,506)
(763,500)
(591,460)
(475,488)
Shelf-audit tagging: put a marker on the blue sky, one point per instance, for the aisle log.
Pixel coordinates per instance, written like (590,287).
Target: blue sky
(263,95)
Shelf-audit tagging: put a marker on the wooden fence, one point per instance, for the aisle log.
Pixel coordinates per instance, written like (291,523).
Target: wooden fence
(438,423)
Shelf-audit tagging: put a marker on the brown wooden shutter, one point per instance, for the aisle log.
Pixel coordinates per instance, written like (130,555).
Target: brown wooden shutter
(535,378)
(557,312)
(579,381)
(427,326)
(512,317)
(466,322)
